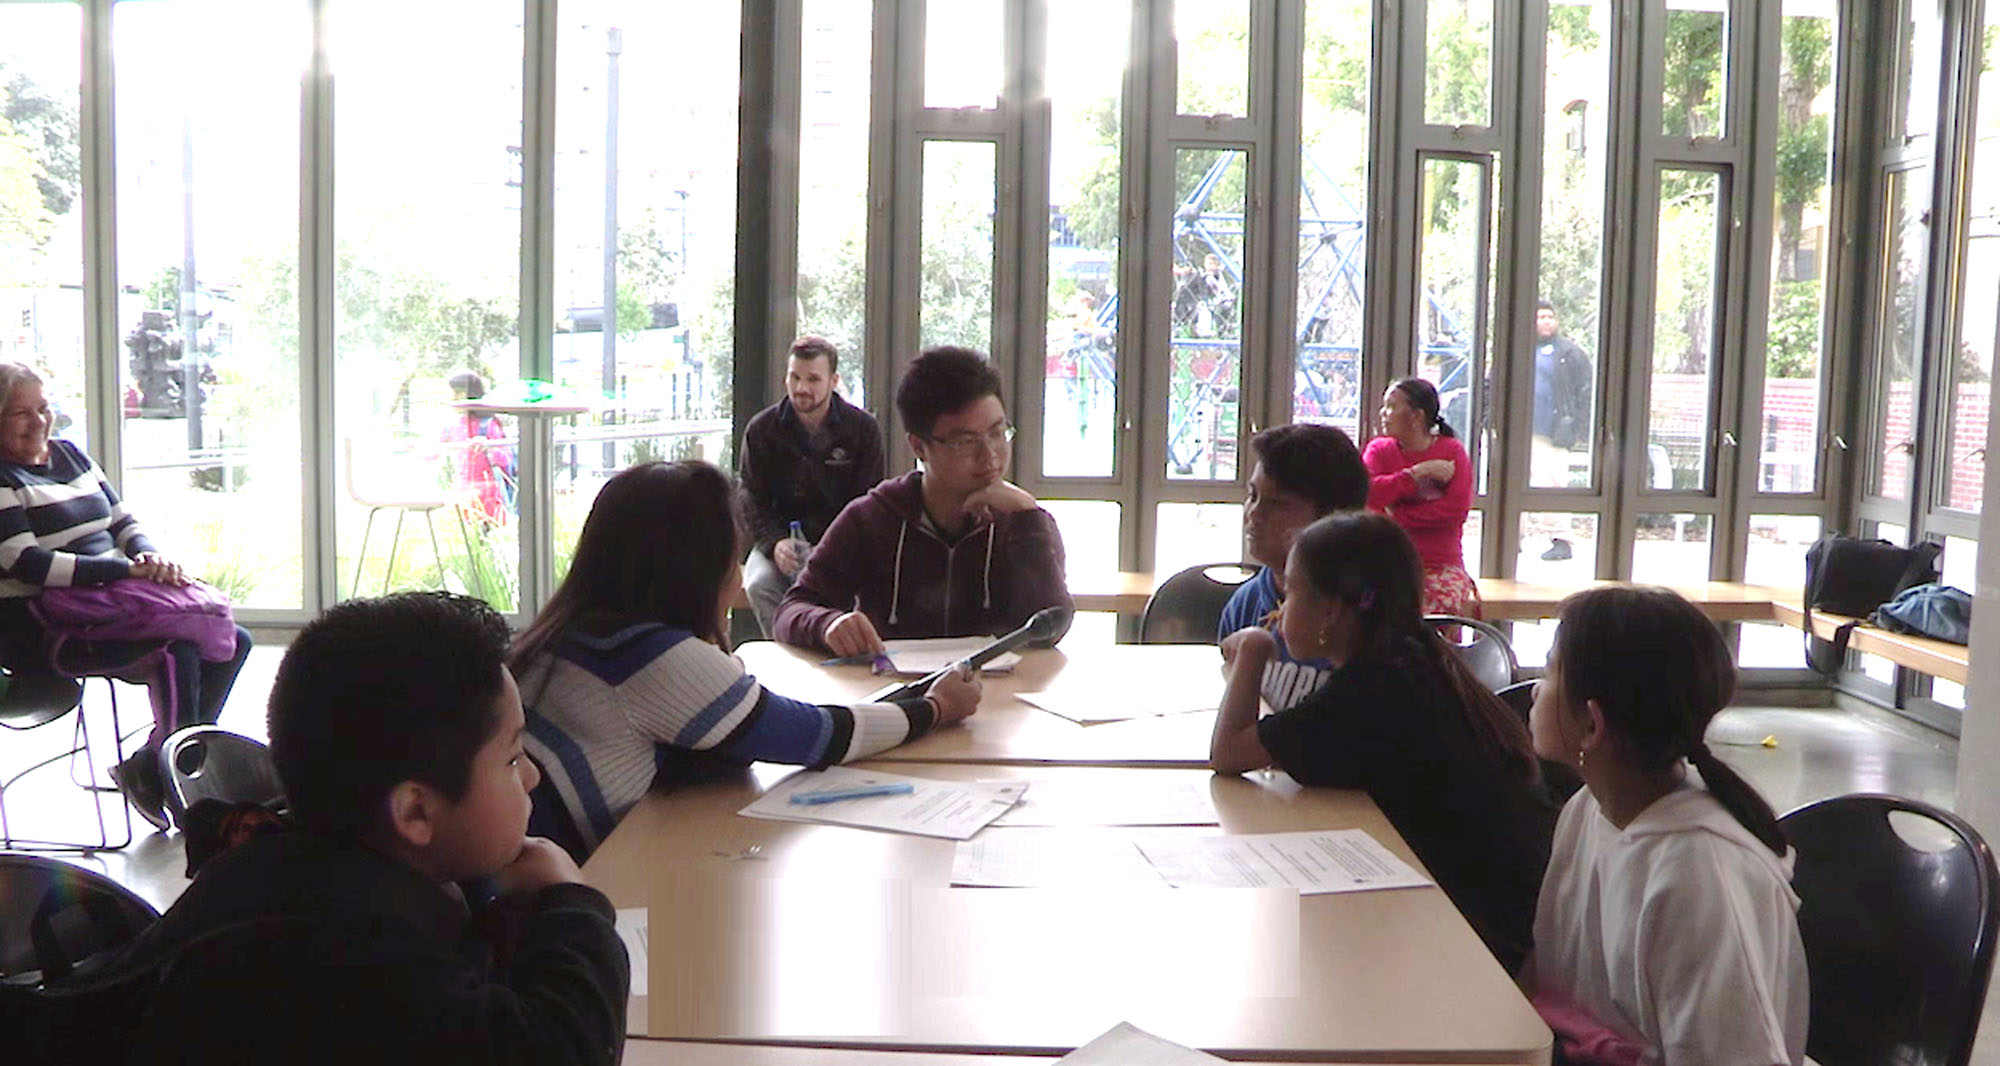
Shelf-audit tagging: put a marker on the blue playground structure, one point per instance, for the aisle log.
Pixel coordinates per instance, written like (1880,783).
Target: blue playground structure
(1207,344)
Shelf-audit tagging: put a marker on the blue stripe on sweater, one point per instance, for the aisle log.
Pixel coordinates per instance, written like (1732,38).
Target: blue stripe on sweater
(786,730)
(575,765)
(615,658)
(700,726)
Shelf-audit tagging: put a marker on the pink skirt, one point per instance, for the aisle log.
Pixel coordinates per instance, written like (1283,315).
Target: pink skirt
(1450,590)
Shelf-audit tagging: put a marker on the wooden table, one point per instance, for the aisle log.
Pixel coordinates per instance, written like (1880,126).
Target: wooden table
(841,937)
(689,1053)
(1010,732)
(1723,601)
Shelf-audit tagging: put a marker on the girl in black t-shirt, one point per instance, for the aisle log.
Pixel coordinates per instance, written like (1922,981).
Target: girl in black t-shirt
(1449,764)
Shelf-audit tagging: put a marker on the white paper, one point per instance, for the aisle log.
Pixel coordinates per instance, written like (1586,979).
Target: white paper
(1125,1045)
(1077,801)
(951,809)
(1330,860)
(1050,858)
(632,930)
(1092,705)
(916,658)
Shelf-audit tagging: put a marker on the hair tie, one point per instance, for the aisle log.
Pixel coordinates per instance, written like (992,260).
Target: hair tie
(1698,752)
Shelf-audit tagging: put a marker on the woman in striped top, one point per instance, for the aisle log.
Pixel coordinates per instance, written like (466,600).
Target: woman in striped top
(62,524)
(627,678)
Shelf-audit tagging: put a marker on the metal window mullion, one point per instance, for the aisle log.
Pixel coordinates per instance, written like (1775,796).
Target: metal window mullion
(1760,133)
(1137,150)
(1645,117)
(1146,319)
(537,283)
(787,133)
(104,404)
(319,433)
(903,247)
(878,295)
(1388,179)
(1271,384)
(1027,101)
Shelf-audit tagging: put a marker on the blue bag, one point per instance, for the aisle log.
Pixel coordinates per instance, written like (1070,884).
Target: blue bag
(1940,612)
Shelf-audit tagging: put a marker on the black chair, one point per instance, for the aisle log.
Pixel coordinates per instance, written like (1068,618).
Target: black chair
(35,698)
(62,928)
(1187,607)
(205,762)
(1480,646)
(1561,778)
(1898,938)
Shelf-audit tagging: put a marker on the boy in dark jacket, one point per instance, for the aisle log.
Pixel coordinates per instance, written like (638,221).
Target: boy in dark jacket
(396,730)
(949,551)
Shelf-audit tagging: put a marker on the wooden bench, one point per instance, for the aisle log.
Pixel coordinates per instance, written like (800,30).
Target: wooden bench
(1937,658)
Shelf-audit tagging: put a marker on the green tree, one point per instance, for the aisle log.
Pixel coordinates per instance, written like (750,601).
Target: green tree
(48,123)
(1800,170)
(25,220)
(1691,85)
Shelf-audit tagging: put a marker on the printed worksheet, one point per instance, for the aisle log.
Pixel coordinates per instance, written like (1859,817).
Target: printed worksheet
(951,809)
(1076,800)
(632,930)
(1328,860)
(1127,1045)
(916,658)
(1087,705)
(1050,858)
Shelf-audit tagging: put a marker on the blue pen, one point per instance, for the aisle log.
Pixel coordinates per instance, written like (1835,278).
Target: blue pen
(830,795)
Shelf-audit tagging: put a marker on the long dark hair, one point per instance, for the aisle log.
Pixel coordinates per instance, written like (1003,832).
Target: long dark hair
(1423,396)
(656,548)
(1366,562)
(1660,670)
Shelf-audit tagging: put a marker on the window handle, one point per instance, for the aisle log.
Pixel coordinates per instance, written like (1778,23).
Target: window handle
(1728,439)
(1840,442)
(1907,447)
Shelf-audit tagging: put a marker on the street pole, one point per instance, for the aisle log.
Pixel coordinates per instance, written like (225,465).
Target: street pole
(614,43)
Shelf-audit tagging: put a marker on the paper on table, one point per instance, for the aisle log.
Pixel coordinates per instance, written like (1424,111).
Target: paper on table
(915,658)
(1127,1045)
(1050,858)
(1071,801)
(951,809)
(1330,860)
(1092,705)
(632,930)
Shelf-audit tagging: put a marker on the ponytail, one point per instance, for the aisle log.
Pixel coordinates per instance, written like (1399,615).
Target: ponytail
(1611,647)
(1738,798)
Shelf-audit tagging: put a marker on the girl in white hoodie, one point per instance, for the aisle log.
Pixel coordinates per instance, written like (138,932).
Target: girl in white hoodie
(1667,929)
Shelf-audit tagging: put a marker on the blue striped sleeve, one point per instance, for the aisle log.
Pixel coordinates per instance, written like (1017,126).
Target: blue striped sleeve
(124,527)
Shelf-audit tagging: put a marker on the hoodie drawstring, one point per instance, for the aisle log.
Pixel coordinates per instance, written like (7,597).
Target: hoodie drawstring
(988,577)
(896,588)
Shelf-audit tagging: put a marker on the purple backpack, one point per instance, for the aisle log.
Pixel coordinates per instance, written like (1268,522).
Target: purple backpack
(136,609)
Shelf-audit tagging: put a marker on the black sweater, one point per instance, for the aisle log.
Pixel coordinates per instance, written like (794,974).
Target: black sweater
(1394,727)
(291,948)
(789,477)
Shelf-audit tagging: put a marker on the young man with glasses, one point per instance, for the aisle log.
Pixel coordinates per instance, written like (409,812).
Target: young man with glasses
(953,549)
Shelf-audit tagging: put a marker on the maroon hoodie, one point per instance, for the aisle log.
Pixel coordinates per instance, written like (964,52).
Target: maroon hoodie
(885,559)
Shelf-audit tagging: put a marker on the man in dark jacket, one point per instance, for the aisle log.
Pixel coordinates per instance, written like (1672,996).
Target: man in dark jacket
(803,459)
(952,550)
(1561,417)
(396,730)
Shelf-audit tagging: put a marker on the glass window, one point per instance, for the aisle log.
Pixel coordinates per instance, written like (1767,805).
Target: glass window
(1557,548)
(1089,531)
(208,225)
(1086,78)
(1978,322)
(427,288)
(1907,238)
(1777,549)
(1673,549)
(957,241)
(1680,414)
(1458,74)
(1692,86)
(1193,534)
(833,181)
(1206,368)
(964,52)
(1789,438)
(1212,56)
(646,170)
(1454,250)
(1333,225)
(1919,67)
(41,216)
(1576,96)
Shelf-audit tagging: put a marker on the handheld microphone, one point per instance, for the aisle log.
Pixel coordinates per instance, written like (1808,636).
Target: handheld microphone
(1043,625)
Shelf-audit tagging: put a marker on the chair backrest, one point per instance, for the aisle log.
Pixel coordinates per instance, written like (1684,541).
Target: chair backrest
(35,697)
(1898,937)
(53,916)
(1480,646)
(1187,607)
(204,762)
(1561,779)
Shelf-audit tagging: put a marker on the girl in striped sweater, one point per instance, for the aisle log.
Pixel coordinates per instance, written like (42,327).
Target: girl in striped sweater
(626,674)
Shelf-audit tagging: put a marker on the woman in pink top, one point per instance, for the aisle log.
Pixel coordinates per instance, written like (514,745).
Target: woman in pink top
(1420,476)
